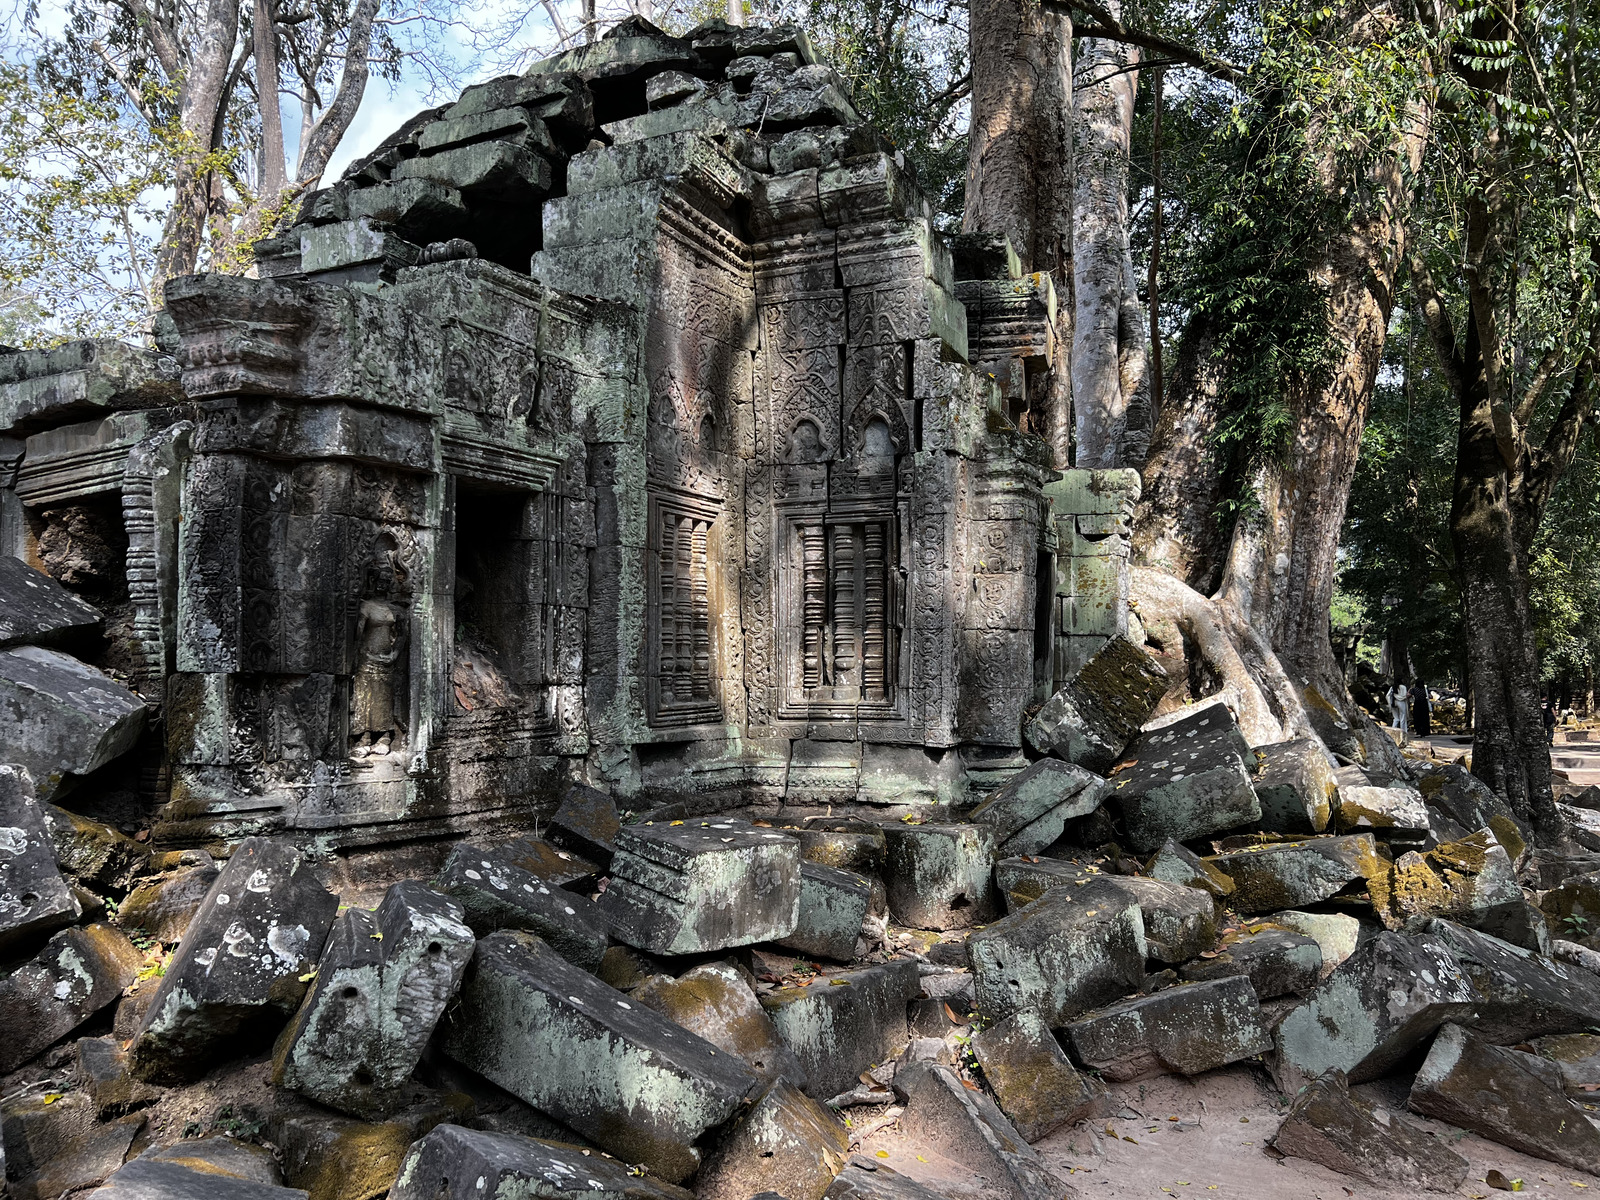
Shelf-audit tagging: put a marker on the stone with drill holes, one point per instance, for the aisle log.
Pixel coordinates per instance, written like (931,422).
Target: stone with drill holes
(940,876)
(496,893)
(1186,780)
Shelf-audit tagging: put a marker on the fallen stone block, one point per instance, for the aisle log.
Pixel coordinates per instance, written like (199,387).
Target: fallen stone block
(155,1179)
(966,1125)
(94,854)
(162,908)
(34,898)
(338,1158)
(1071,950)
(558,867)
(843,843)
(786,1141)
(702,885)
(219,1154)
(1290,874)
(863,1179)
(587,823)
(1467,802)
(78,973)
(625,968)
(1336,934)
(1296,787)
(38,611)
(1029,811)
(1186,780)
(1398,806)
(101,1068)
(1495,1093)
(1521,994)
(1179,922)
(1381,1003)
(63,717)
(928,1016)
(841,1025)
(1275,961)
(1033,1079)
(554,1036)
(1177,863)
(940,876)
(833,906)
(382,984)
(1184,1030)
(1572,908)
(262,926)
(1097,713)
(495,893)
(455,1163)
(1471,881)
(714,1002)
(55,1148)
(1344,1133)
(1023,879)
(1577,1058)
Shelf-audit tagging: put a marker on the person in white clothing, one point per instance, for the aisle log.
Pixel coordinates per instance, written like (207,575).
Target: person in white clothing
(1399,708)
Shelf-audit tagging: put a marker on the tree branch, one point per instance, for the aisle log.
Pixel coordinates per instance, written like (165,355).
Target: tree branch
(1436,317)
(1542,375)
(1108,27)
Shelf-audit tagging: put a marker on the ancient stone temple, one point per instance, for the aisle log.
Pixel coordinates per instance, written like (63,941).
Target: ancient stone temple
(627,421)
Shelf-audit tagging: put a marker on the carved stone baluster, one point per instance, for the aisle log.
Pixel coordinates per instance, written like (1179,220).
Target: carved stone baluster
(874,639)
(700,617)
(814,581)
(667,618)
(846,625)
(683,609)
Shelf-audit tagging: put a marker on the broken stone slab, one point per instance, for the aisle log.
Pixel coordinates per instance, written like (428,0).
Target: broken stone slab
(1467,802)
(550,863)
(1176,863)
(864,1179)
(1291,874)
(456,1163)
(587,823)
(94,854)
(219,1154)
(55,1148)
(786,1141)
(162,908)
(1381,1003)
(339,1158)
(714,1002)
(262,926)
(964,1124)
(844,843)
(35,899)
(1094,716)
(1183,1030)
(696,886)
(63,717)
(1186,780)
(158,1179)
(620,1074)
(1471,881)
(1024,878)
(833,906)
(840,1025)
(1029,811)
(495,893)
(1336,934)
(1275,961)
(100,1065)
(36,610)
(1179,922)
(1071,950)
(1521,994)
(1327,1125)
(1031,1076)
(940,876)
(1497,1094)
(1398,806)
(78,973)
(1296,786)
(382,984)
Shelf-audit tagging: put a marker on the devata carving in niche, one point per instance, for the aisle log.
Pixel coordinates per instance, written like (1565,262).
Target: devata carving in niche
(382,633)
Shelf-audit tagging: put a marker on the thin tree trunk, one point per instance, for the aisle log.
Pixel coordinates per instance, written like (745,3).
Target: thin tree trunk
(335,120)
(274,174)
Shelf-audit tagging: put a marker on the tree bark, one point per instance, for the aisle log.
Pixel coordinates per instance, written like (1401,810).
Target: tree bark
(1108,331)
(335,121)
(273,173)
(1019,161)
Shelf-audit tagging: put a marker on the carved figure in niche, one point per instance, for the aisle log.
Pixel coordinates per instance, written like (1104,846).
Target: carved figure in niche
(382,634)
(876,440)
(805,444)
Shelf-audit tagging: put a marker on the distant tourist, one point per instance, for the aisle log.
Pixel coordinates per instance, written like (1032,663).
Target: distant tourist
(1399,700)
(1421,710)
(1550,722)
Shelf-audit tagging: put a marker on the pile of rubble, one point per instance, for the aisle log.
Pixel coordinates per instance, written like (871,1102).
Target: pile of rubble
(642,1004)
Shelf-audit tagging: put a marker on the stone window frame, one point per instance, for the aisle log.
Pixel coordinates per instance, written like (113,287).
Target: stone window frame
(677,713)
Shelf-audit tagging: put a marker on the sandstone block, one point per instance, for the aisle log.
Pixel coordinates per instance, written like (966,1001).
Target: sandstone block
(843,843)
(78,973)
(262,926)
(1030,810)
(786,1142)
(451,1160)
(841,1025)
(1275,961)
(1176,863)
(34,898)
(495,893)
(219,1154)
(833,906)
(1184,1030)
(1179,922)
(1072,949)
(940,876)
(1521,994)
(552,864)
(1296,786)
(1491,1091)
(967,1126)
(163,908)
(1381,1003)
(155,1179)
(586,823)
(1289,874)
(702,885)
(1336,934)
(63,717)
(1471,881)
(337,1158)
(1092,719)
(1577,1058)
(1399,806)
(36,610)
(382,984)
(1344,1133)
(557,1038)
(714,1002)
(1186,780)
(864,1179)
(1023,879)
(94,854)
(1030,1074)
(101,1067)
(54,1147)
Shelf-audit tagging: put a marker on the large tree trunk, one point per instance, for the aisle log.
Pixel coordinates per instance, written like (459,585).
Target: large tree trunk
(1019,160)
(1108,342)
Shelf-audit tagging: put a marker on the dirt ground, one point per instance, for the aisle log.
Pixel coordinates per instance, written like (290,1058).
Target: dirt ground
(1217,1148)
